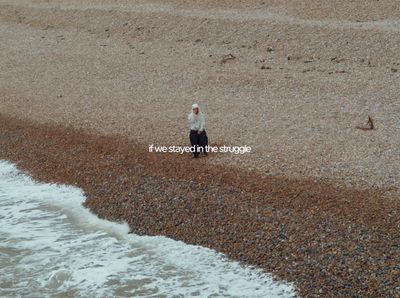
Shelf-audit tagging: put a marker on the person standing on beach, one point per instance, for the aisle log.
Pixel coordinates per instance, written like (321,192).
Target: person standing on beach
(198,136)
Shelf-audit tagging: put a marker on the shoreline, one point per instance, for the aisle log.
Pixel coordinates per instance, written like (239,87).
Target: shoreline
(98,258)
(327,240)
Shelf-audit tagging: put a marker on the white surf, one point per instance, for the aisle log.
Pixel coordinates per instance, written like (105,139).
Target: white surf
(51,246)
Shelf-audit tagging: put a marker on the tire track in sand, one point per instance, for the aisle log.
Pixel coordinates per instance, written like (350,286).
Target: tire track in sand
(241,15)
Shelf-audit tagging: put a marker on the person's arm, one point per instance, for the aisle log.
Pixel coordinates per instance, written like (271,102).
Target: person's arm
(202,123)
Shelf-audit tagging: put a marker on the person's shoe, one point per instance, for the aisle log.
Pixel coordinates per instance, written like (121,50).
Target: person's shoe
(195,156)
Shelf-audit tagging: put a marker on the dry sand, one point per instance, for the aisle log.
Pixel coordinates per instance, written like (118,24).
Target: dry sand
(134,68)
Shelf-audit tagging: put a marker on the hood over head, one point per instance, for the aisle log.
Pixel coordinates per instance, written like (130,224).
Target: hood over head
(194,106)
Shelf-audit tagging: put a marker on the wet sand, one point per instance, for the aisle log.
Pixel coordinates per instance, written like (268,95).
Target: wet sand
(330,241)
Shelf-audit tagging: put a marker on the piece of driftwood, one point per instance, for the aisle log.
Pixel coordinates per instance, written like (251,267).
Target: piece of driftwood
(368,126)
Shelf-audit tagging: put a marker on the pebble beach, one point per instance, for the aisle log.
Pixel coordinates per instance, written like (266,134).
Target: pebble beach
(87,86)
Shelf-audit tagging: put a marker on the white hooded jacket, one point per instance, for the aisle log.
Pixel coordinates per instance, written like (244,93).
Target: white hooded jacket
(197,121)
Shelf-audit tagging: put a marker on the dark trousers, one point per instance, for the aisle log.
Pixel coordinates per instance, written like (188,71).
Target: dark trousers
(198,141)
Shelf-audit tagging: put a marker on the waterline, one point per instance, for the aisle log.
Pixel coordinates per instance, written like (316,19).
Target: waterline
(51,246)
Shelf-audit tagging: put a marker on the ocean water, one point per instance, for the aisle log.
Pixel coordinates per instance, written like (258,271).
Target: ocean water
(50,246)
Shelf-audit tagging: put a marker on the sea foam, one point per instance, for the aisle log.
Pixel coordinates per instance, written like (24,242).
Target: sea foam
(50,245)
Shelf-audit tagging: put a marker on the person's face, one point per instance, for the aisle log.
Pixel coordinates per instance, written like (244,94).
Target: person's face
(196,110)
